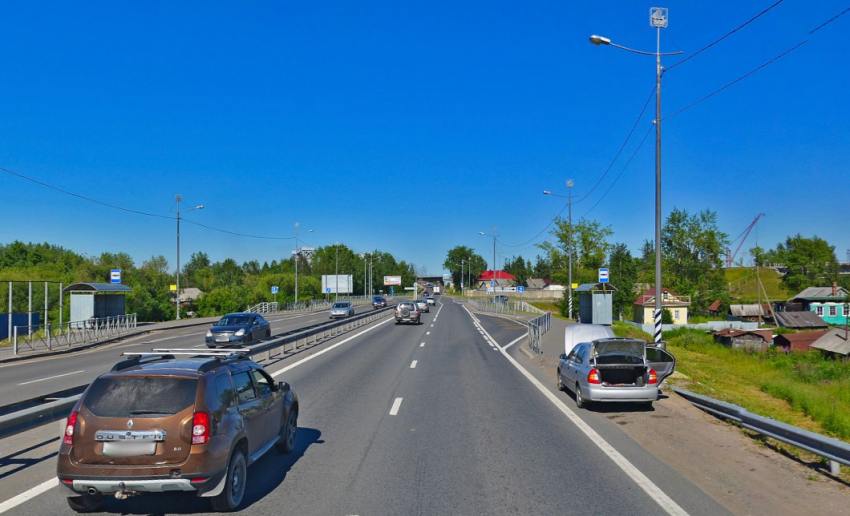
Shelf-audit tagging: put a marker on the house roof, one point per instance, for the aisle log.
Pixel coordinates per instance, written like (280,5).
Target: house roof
(765,335)
(799,320)
(536,283)
(97,287)
(751,310)
(668,299)
(801,339)
(503,275)
(821,294)
(190,294)
(715,306)
(833,341)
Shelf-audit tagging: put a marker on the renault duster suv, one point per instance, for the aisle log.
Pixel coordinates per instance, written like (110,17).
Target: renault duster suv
(174,421)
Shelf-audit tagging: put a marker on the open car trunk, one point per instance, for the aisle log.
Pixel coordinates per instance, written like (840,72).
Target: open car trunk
(621,362)
(622,375)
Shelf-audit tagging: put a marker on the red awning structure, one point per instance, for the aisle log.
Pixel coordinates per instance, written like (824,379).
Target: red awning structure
(499,275)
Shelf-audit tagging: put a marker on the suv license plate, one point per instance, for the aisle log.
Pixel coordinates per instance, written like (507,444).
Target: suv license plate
(128,449)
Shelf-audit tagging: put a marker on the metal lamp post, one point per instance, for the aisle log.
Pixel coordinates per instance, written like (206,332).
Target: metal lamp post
(493,264)
(179,199)
(658,20)
(297,253)
(570,250)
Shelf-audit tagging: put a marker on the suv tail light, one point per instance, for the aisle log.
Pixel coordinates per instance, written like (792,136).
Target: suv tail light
(593,377)
(68,438)
(653,377)
(200,428)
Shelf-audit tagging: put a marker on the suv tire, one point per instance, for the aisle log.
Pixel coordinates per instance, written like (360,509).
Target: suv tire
(286,442)
(234,486)
(85,503)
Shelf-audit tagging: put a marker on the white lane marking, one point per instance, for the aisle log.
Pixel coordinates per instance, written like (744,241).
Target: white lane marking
(432,325)
(322,352)
(511,343)
(422,345)
(28,495)
(396,406)
(427,333)
(413,364)
(660,497)
(52,377)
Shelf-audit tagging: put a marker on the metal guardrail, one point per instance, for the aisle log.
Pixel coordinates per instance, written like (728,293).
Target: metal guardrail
(836,451)
(24,419)
(538,327)
(511,307)
(47,337)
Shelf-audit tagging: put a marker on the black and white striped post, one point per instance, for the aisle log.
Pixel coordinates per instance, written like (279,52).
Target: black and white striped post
(657,332)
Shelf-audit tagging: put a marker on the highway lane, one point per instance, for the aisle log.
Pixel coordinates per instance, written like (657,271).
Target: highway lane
(42,375)
(461,432)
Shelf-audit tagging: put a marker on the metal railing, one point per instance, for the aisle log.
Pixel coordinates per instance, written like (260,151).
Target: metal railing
(51,337)
(837,452)
(510,307)
(20,420)
(304,306)
(538,327)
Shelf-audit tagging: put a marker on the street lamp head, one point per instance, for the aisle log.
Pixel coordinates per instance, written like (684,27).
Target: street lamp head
(482,233)
(570,183)
(547,192)
(199,207)
(599,40)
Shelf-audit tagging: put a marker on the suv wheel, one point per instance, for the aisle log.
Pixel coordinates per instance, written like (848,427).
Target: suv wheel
(286,442)
(234,487)
(85,503)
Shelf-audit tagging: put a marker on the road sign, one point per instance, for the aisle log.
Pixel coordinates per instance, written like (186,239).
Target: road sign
(492,283)
(603,275)
(575,286)
(392,280)
(328,290)
(520,289)
(275,289)
(172,287)
(115,276)
(658,17)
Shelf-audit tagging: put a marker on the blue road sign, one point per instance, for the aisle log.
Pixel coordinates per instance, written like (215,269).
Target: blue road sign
(603,275)
(492,283)
(328,290)
(275,289)
(115,276)
(520,289)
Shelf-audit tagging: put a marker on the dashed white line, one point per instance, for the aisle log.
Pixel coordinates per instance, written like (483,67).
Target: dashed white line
(422,345)
(396,406)
(52,377)
(427,333)
(413,364)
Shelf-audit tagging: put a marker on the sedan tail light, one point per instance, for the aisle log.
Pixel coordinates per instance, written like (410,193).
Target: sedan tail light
(593,377)
(70,424)
(200,428)
(653,377)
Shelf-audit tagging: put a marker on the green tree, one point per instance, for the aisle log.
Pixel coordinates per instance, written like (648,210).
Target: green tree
(473,265)
(624,274)
(810,262)
(520,268)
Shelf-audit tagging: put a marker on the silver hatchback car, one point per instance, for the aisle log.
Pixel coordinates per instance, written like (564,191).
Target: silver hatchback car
(614,369)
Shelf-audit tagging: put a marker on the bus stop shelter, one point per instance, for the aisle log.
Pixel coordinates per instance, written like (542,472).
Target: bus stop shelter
(596,303)
(97,300)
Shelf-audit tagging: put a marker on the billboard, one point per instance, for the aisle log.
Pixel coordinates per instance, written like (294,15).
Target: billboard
(392,280)
(330,282)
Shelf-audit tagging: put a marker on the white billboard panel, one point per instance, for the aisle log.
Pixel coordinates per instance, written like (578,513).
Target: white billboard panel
(331,281)
(392,280)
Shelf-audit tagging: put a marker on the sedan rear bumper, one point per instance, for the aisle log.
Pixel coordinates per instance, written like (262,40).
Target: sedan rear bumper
(621,394)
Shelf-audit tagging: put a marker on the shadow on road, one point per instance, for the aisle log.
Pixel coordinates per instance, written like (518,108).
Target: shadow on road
(18,463)
(264,476)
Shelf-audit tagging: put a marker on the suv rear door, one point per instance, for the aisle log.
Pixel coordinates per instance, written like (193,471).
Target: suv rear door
(271,406)
(136,420)
(251,408)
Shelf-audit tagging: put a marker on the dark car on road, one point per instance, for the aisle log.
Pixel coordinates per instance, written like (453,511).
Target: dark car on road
(174,421)
(379,302)
(238,328)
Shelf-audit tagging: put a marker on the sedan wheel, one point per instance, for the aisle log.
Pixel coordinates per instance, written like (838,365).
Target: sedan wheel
(580,402)
(560,382)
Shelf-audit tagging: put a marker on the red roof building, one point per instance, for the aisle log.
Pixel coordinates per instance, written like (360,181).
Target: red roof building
(797,342)
(499,275)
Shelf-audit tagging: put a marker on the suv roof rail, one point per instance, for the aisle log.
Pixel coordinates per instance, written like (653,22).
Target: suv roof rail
(135,358)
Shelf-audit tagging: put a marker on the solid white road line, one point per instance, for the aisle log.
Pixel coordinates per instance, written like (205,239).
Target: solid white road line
(29,494)
(413,364)
(322,352)
(26,496)
(52,377)
(511,343)
(653,491)
(396,406)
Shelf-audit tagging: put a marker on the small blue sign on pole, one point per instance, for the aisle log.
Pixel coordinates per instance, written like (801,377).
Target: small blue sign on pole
(520,289)
(115,276)
(492,283)
(328,290)
(603,275)
(275,289)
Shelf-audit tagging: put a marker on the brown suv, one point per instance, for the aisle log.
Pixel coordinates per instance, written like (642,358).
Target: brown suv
(174,421)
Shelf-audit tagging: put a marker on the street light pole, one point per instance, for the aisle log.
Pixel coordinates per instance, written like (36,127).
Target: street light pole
(297,252)
(570,250)
(336,275)
(179,199)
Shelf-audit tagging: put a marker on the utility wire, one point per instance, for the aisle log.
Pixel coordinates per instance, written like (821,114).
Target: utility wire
(598,181)
(724,36)
(134,211)
(827,22)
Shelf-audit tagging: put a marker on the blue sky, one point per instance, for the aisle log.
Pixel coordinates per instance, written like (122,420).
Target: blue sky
(410,126)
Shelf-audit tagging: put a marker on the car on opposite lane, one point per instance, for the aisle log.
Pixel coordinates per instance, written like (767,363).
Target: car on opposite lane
(238,329)
(341,309)
(407,312)
(174,421)
(379,302)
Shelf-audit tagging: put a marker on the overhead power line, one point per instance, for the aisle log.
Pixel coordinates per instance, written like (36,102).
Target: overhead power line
(724,36)
(135,211)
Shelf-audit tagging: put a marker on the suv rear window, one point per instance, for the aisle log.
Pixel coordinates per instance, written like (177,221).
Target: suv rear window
(144,396)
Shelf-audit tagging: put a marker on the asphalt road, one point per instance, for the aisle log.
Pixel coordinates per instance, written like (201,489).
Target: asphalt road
(43,375)
(430,419)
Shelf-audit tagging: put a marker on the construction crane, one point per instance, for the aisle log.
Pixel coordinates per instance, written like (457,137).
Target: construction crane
(730,256)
